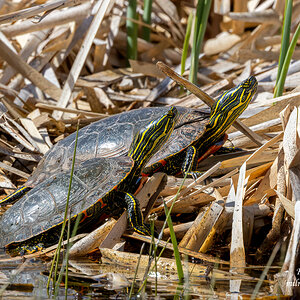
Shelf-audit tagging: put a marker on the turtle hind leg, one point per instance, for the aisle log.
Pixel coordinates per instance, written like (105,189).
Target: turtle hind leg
(35,243)
(135,216)
(15,249)
(29,249)
(16,195)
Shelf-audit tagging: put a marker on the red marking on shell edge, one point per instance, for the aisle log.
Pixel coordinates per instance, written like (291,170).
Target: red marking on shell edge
(102,203)
(162,163)
(84,217)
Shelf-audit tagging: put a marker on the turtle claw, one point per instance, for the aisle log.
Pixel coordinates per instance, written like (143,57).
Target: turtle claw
(144,229)
(195,174)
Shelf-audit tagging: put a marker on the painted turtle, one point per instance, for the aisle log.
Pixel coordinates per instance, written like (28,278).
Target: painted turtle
(100,187)
(111,137)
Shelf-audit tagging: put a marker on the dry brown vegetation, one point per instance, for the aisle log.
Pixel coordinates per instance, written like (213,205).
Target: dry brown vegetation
(59,64)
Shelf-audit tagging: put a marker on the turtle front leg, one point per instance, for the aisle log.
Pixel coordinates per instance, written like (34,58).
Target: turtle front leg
(192,158)
(16,195)
(190,162)
(135,216)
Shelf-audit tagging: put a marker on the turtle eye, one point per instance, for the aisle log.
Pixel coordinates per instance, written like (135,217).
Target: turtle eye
(249,84)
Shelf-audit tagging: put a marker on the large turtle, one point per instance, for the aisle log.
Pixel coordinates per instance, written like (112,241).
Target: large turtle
(100,187)
(111,137)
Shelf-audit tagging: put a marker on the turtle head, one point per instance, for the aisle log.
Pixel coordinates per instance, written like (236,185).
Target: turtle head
(230,105)
(149,139)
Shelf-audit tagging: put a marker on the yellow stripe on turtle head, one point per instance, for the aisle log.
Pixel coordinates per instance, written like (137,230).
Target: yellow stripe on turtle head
(231,104)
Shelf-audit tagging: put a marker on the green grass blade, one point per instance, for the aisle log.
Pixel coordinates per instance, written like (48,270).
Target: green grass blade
(65,222)
(173,239)
(132,30)
(55,259)
(285,37)
(136,271)
(175,246)
(153,268)
(67,256)
(266,270)
(65,264)
(168,213)
(198,18)
(186,42)
(171,207)
(280,86)
(147,19)
(154,254)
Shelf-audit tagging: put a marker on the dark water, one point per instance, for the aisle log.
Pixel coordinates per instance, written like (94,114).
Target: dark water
(92,280)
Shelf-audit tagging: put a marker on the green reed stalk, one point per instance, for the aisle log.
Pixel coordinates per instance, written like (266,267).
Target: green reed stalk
(172,236)
(285,66)
(65,264)
(132,30)
(69,245)
(197,25)
(67,256)
(173,239)
(202,13)
(147,19)
(285,37)
(186,42)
